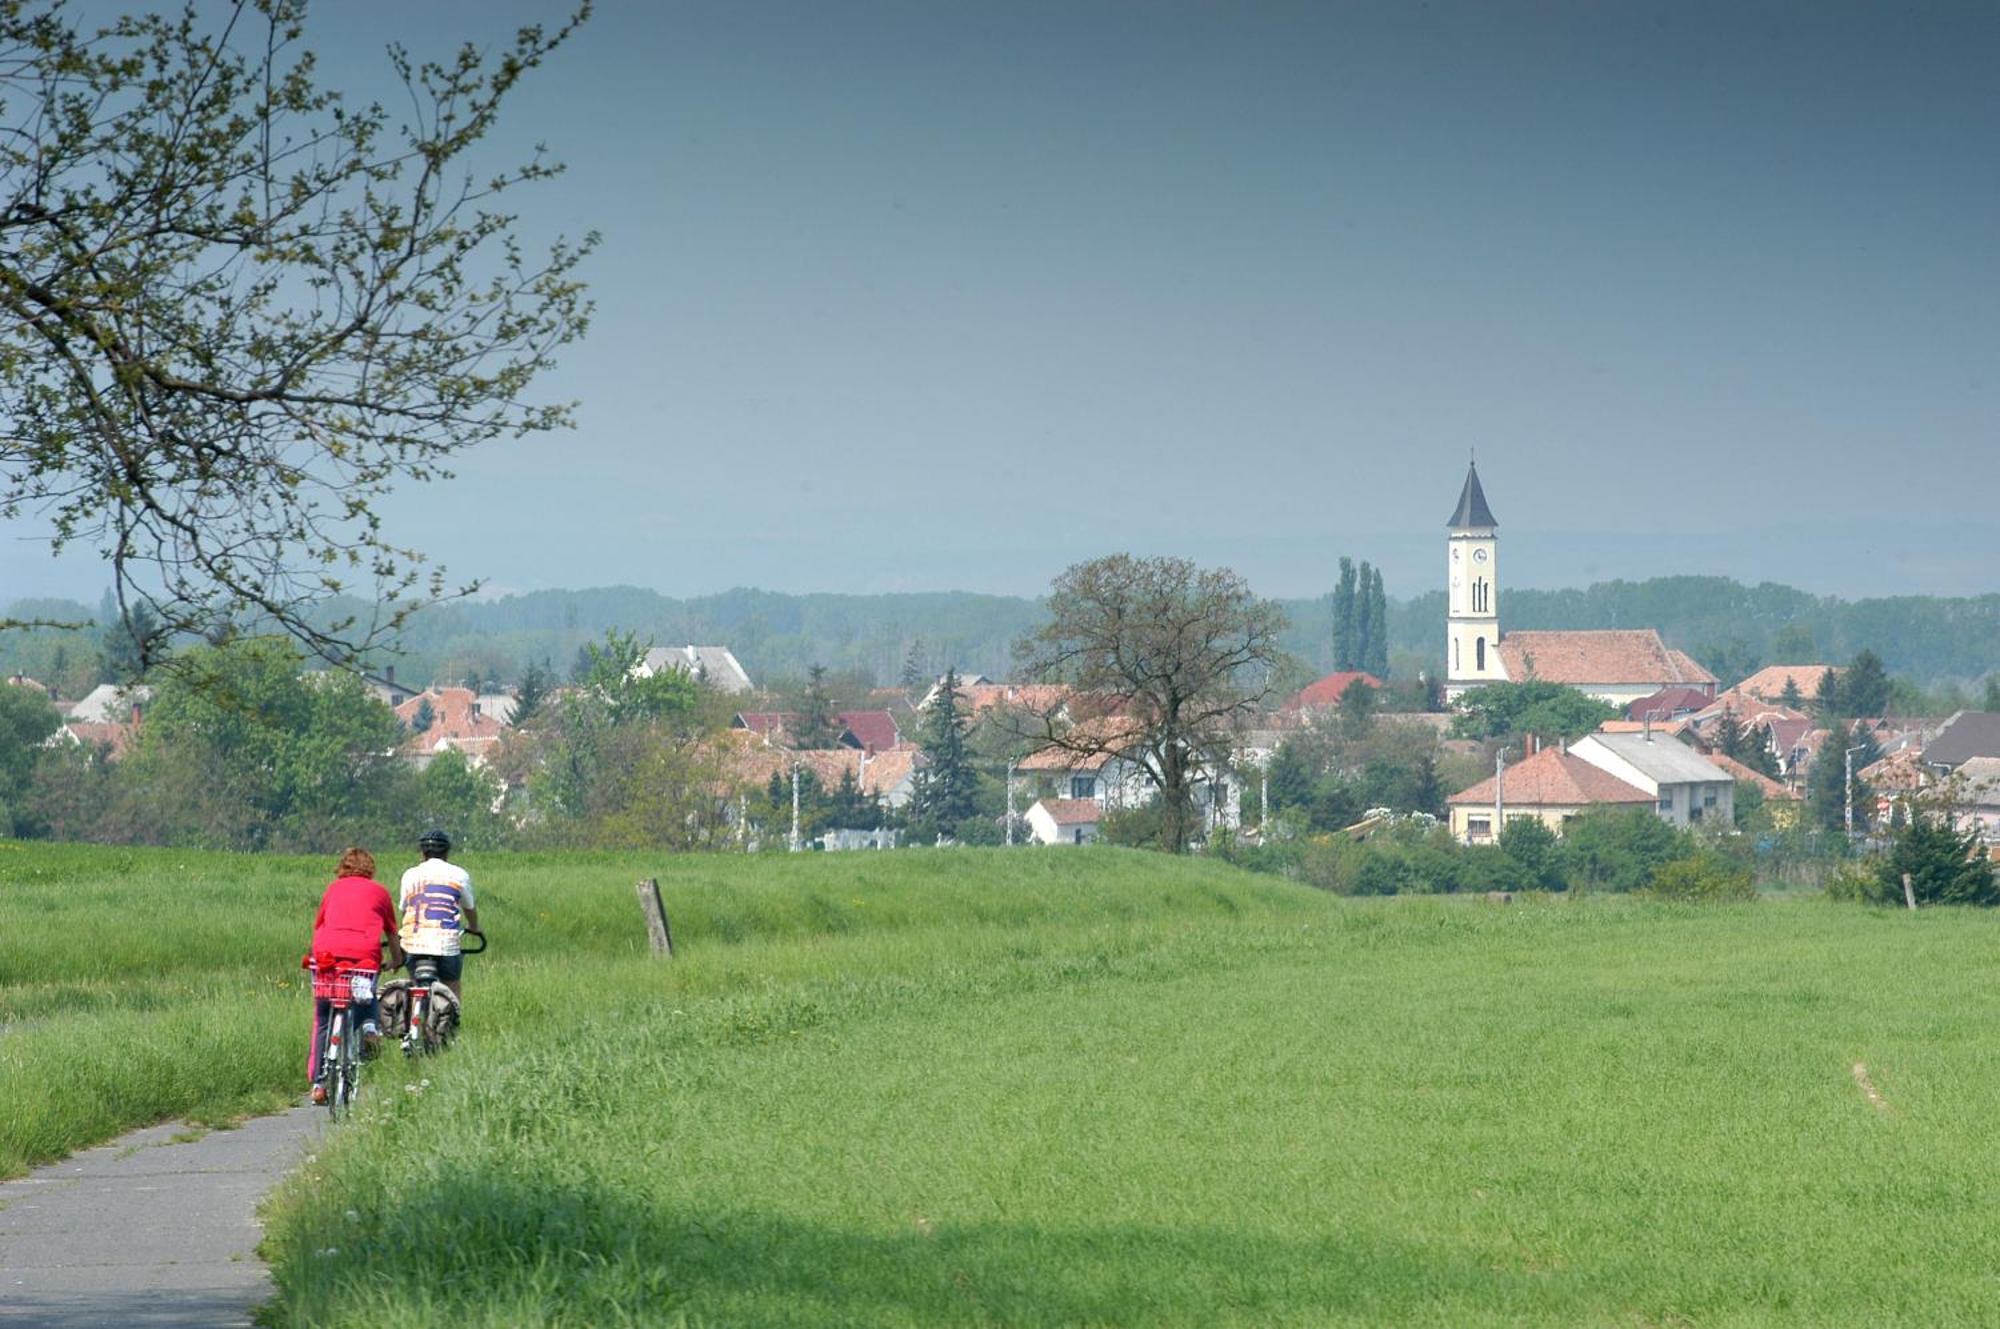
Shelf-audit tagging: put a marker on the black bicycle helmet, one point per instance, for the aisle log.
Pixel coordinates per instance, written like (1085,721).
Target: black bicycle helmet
(434,843)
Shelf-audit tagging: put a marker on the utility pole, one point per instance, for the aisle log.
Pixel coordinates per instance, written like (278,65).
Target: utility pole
(795,807)
(1849,800)
(1499,793)
(1010,805)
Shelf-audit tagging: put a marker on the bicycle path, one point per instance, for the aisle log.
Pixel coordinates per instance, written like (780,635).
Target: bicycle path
(145,1231)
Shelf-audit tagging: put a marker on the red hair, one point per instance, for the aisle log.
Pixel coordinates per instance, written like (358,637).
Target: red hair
(356,863)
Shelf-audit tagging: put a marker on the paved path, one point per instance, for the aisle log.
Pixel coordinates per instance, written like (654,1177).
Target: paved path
(146,1232)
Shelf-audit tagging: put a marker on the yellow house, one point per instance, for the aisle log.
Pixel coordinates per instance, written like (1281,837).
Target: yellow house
(1552,786)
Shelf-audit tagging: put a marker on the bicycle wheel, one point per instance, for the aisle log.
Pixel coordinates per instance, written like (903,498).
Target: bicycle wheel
(350,1072)
(331,1058)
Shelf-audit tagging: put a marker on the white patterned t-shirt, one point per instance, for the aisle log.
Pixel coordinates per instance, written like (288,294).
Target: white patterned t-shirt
(432,904)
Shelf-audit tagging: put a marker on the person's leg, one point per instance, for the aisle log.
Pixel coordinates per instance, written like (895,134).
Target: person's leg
(451,968)
(312,1044)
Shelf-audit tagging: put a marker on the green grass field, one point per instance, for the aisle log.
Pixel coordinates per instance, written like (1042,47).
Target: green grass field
(1057,1089)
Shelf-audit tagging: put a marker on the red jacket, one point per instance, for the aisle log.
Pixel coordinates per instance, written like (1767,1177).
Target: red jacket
(354,914)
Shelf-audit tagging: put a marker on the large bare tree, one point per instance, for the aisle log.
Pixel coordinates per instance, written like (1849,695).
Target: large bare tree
(238,308)
(1165,660)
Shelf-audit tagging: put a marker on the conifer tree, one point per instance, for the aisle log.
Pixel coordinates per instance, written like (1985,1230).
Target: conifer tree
(1344,594)
(1791,696)
(1376,661)
(1363,642)
(819,726)
(1864,689)
(945,792)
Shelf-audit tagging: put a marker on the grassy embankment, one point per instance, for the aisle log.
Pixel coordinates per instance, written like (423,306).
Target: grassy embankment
(1109,1089)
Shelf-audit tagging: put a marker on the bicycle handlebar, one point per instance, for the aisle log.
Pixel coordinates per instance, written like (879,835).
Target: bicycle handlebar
(473,950)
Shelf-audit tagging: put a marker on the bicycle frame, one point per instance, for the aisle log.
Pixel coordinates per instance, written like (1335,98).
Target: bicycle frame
(422,1038)
(334,1062)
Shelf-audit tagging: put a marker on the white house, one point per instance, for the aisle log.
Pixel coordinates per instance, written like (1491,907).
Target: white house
(1064,820)
(1686,786)
(716,666)
(1115,781)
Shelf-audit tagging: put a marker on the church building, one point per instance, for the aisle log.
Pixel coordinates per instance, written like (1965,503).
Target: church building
(1618,666)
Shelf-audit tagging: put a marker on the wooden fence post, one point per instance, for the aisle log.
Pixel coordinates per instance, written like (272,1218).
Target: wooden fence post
(1909,892)
(658,931)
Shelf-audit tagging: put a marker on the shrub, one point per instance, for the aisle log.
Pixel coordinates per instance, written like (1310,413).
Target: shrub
(1855,882)
(1534,849)
(1619,851)
(1945,867)
(1704,877)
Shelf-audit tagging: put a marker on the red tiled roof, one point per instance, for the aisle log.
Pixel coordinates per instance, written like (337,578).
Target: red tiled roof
(878,773)
(1768,683)
(455,715)
(1553,778)
(1328,691)
(1737,770)
(1041,698)
(1071,811)
(1899,772)
(116,735)
(1598,656)
(1668,703)
(1112,732)
(875,729)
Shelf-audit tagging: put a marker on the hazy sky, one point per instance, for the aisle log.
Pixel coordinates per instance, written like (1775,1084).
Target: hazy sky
(947,295)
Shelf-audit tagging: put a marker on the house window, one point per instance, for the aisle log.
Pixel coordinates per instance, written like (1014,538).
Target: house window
(1079,835)
(1708,797)
(1083,786)
(1479,654)
(1667,806)
(1479,828)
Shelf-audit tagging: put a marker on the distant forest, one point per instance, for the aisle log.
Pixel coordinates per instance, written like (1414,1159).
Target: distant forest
(1730,627)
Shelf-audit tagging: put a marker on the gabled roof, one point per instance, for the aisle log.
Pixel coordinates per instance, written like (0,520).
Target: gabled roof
(1601,656)
(1472,512)
(1072,811)
(1768,683)
(1328,691)
(455,715)
(108,702)
(1662,760)
(1982,780)
(871,729)
(1897,773)
(1109,734)
(715,665)
(1966,735)
(1553,778)
(1668,703)
(874,730)
(1772,789)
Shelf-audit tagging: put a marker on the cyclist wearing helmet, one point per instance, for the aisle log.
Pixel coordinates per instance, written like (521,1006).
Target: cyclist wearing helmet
(437,908)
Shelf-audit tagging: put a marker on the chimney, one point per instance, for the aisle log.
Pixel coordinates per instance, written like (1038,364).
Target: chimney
(389,675)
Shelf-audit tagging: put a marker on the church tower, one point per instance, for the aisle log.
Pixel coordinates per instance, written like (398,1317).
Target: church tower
(1472,593)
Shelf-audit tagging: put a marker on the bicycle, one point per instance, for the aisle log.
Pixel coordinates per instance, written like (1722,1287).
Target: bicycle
(420,1009)
(336,1057)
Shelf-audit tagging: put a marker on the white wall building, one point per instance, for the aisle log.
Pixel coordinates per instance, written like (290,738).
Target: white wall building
(1687,787)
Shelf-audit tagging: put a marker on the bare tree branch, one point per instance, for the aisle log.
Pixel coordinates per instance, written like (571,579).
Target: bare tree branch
(240,310)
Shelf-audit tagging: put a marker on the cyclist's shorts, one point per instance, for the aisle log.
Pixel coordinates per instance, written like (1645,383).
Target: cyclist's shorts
(449,967)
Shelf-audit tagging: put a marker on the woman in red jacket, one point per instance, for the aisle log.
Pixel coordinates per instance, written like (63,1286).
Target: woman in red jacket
(355,918)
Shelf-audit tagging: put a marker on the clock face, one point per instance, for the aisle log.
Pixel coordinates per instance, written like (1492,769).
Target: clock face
(1479,555)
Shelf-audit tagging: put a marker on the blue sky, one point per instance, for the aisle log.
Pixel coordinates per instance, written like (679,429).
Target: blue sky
(932,296)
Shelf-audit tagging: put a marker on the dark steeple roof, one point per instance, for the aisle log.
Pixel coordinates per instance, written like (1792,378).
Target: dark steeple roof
(1472,509)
